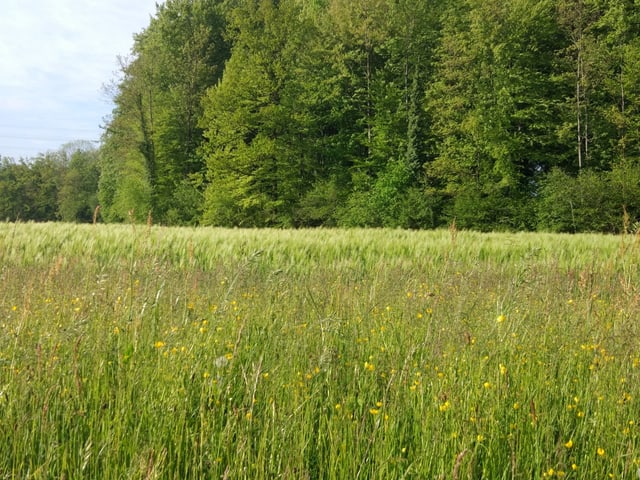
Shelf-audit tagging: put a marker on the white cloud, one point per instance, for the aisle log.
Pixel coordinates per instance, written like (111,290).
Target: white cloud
(56,55)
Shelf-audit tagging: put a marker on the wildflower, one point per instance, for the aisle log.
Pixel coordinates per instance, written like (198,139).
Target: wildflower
(369,366)
(445,406)
(374,411)
(480,438)
(338,406)
(486,385)
(159,344)
(600,452)
(501,318)
(503,369)
(574,467)
(569,444)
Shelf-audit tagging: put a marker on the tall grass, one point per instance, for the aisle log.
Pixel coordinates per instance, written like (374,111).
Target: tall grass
(209,353)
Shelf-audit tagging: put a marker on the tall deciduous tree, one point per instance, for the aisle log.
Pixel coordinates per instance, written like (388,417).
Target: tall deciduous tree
(151,142)
(491,104)
(257,119)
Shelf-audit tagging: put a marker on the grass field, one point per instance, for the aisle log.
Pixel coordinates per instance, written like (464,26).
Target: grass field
(148,352)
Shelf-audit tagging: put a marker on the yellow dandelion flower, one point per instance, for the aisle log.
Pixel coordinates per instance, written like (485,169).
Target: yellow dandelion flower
(569,444)
(600,452)
(374,411)
(501,318)
(159,344)
(486,385)
(445,406)
(480,438)
(574,467)
(503,369)
(369,366)
(338,406)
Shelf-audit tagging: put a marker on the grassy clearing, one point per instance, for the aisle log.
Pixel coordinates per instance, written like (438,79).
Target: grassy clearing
(208,353)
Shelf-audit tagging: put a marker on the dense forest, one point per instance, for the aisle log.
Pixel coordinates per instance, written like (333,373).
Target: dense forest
(495,114)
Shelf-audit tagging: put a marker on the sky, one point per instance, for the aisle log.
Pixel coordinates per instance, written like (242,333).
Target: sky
(56,56)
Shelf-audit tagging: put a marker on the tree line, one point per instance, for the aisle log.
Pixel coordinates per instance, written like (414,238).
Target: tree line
(60,185)
(500,115)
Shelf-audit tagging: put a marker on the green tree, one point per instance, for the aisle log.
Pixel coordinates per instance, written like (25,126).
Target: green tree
(150,147)
(258,119)
(586,202)
(491,105)
(78,190)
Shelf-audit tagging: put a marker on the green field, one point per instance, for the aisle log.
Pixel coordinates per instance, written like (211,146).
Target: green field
(148,352)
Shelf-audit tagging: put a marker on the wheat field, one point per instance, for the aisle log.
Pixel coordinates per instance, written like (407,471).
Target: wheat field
(151,352)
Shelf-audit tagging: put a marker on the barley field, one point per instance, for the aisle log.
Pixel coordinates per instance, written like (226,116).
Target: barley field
(135,352)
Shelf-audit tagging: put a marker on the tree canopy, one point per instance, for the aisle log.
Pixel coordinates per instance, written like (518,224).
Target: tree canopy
(500,115)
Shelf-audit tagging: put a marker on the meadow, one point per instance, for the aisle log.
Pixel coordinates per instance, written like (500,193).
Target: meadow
(135,352)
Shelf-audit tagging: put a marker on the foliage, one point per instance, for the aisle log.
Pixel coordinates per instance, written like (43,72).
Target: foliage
(60,185)
(591,201)
(373,113)
(150,144)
